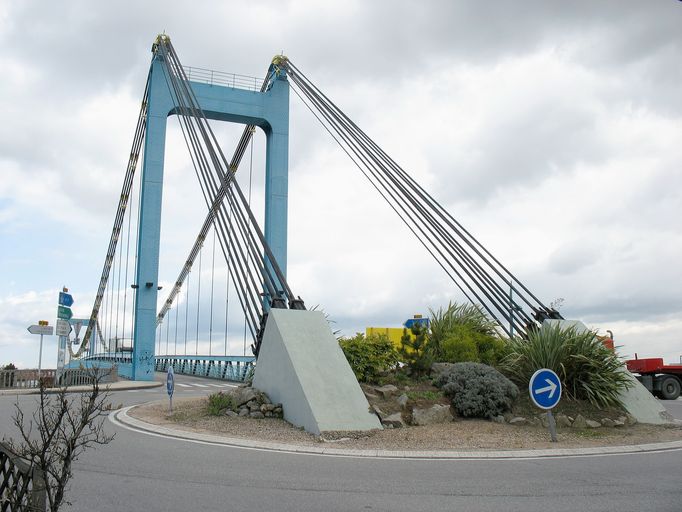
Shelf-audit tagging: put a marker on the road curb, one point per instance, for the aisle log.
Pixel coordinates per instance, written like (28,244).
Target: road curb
(121,417)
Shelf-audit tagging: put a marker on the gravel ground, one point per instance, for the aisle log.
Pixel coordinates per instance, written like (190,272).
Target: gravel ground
(190,415)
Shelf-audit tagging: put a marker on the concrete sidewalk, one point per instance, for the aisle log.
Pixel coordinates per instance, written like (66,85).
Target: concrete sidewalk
(121,418)
(121,385)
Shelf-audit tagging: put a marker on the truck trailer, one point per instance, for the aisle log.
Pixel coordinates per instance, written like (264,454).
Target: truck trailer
(662,380)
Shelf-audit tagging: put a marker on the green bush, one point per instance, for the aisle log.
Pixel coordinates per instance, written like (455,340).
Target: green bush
(219,402)
(463,332)
(369,356)
(413,350)
(477,390)
(587,369)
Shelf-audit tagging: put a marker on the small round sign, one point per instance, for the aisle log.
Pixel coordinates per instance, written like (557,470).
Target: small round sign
(170,381)
(545,388)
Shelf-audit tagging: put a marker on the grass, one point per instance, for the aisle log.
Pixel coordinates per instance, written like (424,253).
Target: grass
(425,395)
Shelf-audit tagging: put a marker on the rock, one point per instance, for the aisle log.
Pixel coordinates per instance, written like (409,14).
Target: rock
(436,414)
(608,422)
(377,411)
(386,391)
(508,416)
(544,420)
(257,415)
(618,423)
(244,411)
(268,414)
(253,405)
(536,422)
(562,421)
(267,408)
(231,414)
(393,421)
(264,398)
(579,422)
(518,421)
(498,419)
(630,420)
(406,388)
(370,395)
(243,395)
(592,424)
(402,400)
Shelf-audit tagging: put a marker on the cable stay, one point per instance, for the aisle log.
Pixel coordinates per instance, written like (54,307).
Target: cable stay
(258,279)
(476,272)
(140,131)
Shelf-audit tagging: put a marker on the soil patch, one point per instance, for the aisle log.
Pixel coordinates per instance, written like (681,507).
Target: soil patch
(461,434)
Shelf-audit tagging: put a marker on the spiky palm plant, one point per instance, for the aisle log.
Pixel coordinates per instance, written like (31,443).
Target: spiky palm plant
(587,369)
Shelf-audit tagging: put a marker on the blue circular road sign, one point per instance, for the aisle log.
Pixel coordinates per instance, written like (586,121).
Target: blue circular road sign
(170,381)
(545,388)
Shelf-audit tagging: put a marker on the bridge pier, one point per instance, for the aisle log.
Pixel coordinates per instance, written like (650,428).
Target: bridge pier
(268,110)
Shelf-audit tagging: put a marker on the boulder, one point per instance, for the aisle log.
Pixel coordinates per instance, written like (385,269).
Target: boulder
(402,400)
(518,421)
(436,414)
(257,415)
(579,422)
(630,420)
(242,395)
(498,419)
(393,421)
(608,422)
(592,424)
(231,414)
(244,411)
(562,421)
(386,391)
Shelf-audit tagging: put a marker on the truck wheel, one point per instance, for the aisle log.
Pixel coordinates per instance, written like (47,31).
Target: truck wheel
(670,388)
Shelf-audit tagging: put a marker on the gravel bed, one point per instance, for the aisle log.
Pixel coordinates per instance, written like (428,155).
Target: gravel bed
(189,415)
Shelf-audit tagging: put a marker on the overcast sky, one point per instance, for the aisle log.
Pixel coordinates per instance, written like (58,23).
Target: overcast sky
(551,130)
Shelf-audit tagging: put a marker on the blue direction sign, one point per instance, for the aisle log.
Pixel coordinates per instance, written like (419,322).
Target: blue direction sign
(545,388)
(65,299)
(170,381)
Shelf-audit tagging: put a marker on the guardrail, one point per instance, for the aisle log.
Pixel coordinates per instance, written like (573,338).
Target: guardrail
(25,378)
(22,487)
(234,368)
(211,77)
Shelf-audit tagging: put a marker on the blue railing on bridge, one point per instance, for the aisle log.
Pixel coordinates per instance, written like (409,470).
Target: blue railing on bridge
(233,368)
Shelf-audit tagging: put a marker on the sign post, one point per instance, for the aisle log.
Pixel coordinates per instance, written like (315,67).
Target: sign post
(170,387)
(545,392)
(64,313)
(42,328)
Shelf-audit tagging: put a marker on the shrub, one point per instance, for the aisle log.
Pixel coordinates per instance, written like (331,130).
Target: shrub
(369,356)
(219,402)
(477,390)
(587,369)
(463,332)
(413,350)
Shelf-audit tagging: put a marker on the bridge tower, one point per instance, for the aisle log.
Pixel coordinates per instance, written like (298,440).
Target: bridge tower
(270,111)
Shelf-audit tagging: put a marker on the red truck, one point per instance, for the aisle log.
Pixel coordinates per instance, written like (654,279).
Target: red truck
(662,380)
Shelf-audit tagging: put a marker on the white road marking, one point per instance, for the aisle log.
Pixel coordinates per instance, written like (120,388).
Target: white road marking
(217,385)
(133,390)
(199,385)
(183,385)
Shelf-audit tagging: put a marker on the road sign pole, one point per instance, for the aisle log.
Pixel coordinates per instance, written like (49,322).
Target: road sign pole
(552,425)
(40,357)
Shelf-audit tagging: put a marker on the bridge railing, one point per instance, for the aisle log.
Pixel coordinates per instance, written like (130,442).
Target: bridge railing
(22,487)
(234,368)
(25,378)
(208,76)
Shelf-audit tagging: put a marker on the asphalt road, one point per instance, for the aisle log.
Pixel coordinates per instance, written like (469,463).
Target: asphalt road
(151,473)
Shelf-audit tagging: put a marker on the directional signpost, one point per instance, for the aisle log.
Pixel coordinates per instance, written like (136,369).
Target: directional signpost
(545,392)
(170,385)
(42,328)
(64,314)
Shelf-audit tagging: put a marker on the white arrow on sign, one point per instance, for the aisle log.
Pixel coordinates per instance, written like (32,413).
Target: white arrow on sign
(551,388)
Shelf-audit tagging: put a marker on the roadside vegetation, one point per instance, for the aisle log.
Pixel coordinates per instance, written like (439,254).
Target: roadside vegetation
(485,370)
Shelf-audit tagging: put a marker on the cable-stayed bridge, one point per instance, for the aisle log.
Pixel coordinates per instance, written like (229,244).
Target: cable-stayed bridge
(127,328)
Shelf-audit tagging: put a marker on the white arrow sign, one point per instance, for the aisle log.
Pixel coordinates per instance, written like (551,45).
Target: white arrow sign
(40,329)
(551,388)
